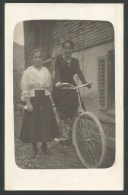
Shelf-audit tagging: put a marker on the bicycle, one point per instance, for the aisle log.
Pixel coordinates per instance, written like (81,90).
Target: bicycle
(88,135)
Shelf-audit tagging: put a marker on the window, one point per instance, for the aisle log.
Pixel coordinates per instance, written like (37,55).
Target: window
(102,82)
(106,82)
(111,80)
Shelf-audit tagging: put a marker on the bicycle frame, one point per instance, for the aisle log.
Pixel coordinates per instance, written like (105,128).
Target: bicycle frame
(79,102)
(89,136)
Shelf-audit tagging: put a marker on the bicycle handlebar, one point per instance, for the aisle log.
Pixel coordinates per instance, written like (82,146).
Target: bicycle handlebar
(69,86)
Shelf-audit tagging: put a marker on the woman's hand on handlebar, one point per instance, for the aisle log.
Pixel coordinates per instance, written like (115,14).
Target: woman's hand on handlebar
(58,84)
(89,85)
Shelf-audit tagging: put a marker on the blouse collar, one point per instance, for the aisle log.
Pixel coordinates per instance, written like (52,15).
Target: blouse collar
(68,62)
(34,68)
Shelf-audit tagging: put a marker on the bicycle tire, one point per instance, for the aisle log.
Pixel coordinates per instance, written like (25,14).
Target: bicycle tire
(85,155)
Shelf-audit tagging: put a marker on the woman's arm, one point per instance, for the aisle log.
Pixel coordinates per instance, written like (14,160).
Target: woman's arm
(80,74)
(25,96)
(47,80)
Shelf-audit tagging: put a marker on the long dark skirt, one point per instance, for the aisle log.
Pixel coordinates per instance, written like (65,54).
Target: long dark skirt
(66,102)
(40,124)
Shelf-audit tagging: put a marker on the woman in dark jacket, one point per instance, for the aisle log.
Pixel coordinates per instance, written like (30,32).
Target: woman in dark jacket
(66,67)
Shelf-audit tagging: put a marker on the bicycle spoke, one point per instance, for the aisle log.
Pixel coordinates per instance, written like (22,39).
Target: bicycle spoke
(90,147)
(89,142)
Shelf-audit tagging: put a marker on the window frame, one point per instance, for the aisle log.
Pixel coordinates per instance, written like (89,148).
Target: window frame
(101,107)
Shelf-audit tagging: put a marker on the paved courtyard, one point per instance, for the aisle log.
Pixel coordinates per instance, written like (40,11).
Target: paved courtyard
(60,158)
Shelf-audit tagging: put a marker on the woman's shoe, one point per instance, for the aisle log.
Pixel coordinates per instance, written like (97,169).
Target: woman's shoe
(34,153)
(45,149)
(57,139)
(66,142)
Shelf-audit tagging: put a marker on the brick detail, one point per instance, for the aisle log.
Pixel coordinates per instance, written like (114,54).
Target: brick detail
(84,34)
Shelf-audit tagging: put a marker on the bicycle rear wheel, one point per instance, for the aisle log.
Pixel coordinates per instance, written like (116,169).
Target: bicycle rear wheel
(89,140)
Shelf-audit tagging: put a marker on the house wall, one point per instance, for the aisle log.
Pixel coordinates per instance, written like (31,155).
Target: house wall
(49,35)
(37,34)
(84,34)
(89,65)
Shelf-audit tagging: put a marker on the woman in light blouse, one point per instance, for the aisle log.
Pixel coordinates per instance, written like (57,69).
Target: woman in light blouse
(39,123)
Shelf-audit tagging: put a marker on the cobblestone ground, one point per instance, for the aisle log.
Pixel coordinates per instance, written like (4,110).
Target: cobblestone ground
(60,157)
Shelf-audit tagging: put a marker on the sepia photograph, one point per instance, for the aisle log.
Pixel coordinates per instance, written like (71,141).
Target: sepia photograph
(63,96)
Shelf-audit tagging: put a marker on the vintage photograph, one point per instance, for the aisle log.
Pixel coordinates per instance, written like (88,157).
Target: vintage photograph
(64,94)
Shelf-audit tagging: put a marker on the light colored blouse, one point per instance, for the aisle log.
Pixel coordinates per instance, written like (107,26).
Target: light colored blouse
(34,79)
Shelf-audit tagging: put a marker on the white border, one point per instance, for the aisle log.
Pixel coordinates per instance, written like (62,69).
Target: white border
(63,179)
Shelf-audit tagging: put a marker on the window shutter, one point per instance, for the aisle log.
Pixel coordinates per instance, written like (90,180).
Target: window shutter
(102,82)
(111,80)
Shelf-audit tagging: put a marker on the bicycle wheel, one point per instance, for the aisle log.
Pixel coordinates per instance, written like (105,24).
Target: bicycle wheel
(89,140)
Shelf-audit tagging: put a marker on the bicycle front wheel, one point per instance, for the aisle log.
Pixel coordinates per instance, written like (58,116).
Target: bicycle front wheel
(89,140)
